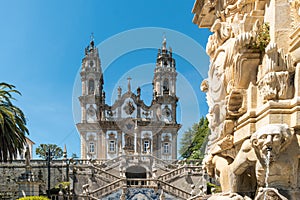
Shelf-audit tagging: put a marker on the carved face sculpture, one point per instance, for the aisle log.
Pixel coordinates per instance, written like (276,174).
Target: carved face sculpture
(273,138)
(217,90)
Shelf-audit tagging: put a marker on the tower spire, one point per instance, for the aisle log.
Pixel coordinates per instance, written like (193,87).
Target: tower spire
(92,36)
(129,85)
(164,83)
(164,43)
(92,43)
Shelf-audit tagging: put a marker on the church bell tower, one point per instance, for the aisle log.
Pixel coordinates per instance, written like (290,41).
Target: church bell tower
(91,101)
(92,84)
(164,83)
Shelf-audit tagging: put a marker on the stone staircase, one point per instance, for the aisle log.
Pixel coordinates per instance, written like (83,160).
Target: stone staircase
(105,190)
(177,179)
(139,183)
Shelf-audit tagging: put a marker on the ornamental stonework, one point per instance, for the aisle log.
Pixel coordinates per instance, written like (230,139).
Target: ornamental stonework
(253,87)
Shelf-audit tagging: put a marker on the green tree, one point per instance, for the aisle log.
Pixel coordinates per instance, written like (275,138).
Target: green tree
(195,140)
(187,140)
(13,128)
(42,150)
(34,198)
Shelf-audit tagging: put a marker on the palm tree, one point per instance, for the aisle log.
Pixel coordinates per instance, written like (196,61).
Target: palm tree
(12,125)
(42,150)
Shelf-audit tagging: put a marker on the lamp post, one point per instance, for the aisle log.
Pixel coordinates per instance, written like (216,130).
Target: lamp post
(48,157)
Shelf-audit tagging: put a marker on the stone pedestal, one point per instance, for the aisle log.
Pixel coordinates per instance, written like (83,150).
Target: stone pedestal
(28,188)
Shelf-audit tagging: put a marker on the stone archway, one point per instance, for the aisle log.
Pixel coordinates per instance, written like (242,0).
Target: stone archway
(135,173)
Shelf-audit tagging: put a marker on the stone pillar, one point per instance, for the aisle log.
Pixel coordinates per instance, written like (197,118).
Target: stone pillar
(120,143)
(83,144)
(83,86)
(297,80)
(158,136)
(135,143)
(28,184)
(83,113)
(28,188)
(174,146)
(276,14)
(103,145)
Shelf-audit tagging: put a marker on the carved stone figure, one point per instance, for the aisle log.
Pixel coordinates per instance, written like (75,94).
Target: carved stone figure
(272,138)
(228,196)
(269,193)
(253,90)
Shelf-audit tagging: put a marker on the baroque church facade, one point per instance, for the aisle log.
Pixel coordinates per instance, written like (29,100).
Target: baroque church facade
(128,126)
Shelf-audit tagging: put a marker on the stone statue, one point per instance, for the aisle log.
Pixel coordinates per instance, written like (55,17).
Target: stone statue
(27,156)
(283,162)
(269,193)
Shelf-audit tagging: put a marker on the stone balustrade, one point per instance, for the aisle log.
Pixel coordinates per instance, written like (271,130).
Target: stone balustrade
(172,174)
(105,174)
(174,190)
(139,183)
(107,189)
(195,170)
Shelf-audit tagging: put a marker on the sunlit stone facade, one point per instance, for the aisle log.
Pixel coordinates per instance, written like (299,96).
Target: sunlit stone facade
(128,126)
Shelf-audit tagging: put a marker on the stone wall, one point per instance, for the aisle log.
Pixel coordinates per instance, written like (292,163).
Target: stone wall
(11,173)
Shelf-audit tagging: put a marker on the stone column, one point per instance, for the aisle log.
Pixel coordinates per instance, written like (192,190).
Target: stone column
(158,136)
(135,143)
(297,80)
(103,145)
(277,15)
(83,144)
(174,146)
(83,112)
(83,81)
(119,142)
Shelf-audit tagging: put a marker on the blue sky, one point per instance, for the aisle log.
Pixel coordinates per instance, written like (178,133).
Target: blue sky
(42,44)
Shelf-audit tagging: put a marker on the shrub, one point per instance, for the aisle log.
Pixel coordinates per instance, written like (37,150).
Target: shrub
(34,198)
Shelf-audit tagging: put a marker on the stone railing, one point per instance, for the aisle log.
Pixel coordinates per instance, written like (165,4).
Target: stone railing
(171,189)
(200,197)
(34,163)
(180,171)
(172,174)
(167,164)
(192,162)
(106,190)
(61,197)
(113,163)
(104,174)
(108,164)
(139,183)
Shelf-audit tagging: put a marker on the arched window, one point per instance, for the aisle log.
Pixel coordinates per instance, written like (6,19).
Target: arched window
(166,85)
(147,145)
(166,148)
(91,86)
(112,146)
(112,143)
(91,63)
(92,147)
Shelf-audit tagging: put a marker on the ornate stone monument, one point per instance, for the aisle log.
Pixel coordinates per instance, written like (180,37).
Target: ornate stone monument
(28,183)
(253,90)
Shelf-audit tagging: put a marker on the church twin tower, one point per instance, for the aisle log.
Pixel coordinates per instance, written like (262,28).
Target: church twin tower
(128,126)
